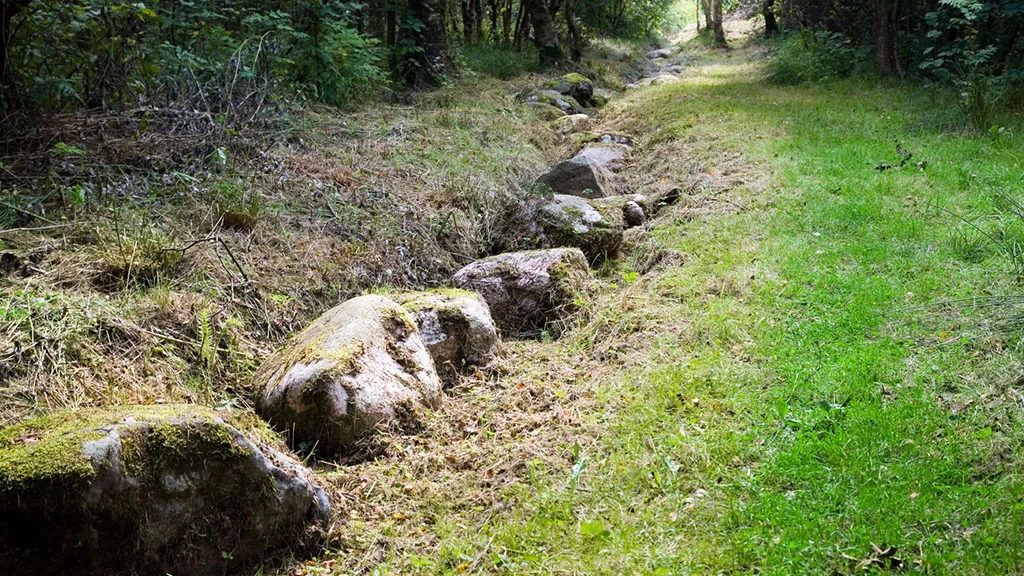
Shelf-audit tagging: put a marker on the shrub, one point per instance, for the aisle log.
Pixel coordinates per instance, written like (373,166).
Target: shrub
(814,57)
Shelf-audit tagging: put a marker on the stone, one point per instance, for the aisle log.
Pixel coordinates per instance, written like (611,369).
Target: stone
(626,211)
(658,80)
(151,490)
(601,97)
(546,111)
(359,366)
(575,85)
(659,53)
(610,157)
(571,221)
(531,291)
(566,104)
(571,124)
(455,326)
(578,176)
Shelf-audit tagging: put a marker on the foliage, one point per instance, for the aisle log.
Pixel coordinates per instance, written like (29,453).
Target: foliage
(814,57)
(228,59)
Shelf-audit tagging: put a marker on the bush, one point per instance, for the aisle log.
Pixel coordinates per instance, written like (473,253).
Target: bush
(814,57)
(502,62)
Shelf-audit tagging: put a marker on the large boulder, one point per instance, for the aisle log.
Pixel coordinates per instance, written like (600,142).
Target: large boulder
(571,221)
(529,291)
(579,176)
(566,104)
(359,366)
(455,325)
(575,85)
(610,156)
(149,490)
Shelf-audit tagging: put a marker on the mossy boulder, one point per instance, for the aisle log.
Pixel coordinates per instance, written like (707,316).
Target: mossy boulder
(571,221)
(455,325)
(149,490)
(546,111)
(566,104)
(529,291)
(358,367)
(574,85)
(660,53)
(571,124)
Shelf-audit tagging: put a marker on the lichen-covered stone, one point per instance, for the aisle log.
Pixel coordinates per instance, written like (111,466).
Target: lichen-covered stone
(630,210)
(571,221)
(659,53)
(575,85)
(571,124)
(566,104)
(149,490)
(359,366)
(529,291)
(455,325)
(579,176)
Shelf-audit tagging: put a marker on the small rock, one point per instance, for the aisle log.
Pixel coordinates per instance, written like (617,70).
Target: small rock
(455,325)
(359,366)
(628,210)
(529,291)
(575,85)
(149,490)
(659,79)
(659,53)
(571,124)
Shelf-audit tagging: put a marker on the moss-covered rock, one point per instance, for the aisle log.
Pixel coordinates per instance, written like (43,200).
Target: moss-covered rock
(571,124)
(149,490)
(566,104)
(608,156)
(455,325)
(359,366)
(579,176)
(574,85)
(571,221)
(630,210)
(529,291)
(546,111)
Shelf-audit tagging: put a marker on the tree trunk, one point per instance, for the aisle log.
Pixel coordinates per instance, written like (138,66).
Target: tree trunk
(522,25)
(468,20)
(719,28)
(506,23)
(478,20)
(544,37)
(709,22)
(698,3)
(771,26)
(495,7)
(433,62)
(884,32)
(8,9)
(575,34)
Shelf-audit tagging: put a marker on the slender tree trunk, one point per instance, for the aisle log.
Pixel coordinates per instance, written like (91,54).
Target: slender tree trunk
(719,28)
(575,34)
(468,19)
(434,61)
(544,37)
(495,6)
(709,22)
(884,34)
(478,21)
(506,23)
(522,25)
(771,26)
(698,3)
(8,9)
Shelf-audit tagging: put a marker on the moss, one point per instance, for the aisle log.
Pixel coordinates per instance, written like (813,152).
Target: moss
(433,299)
(178,444)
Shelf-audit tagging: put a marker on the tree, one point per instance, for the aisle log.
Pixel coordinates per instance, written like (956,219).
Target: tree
(544,35)
(885,34)
(771,26)
(575,34)
(8,9)
(719,29)
(433,61)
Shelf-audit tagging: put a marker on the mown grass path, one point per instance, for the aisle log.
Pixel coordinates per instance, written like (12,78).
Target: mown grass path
(797,402)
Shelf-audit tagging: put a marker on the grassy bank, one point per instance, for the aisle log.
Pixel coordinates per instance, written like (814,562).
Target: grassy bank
(772,383)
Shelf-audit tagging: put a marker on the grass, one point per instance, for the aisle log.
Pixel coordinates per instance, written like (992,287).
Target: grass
(788,395)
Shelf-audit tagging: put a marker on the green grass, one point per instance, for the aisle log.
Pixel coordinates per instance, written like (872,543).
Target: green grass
(809,412)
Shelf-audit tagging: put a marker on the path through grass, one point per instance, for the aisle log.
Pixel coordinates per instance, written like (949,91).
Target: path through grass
(798,404)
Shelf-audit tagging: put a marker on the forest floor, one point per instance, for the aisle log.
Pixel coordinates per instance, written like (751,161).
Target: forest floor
(807,366)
